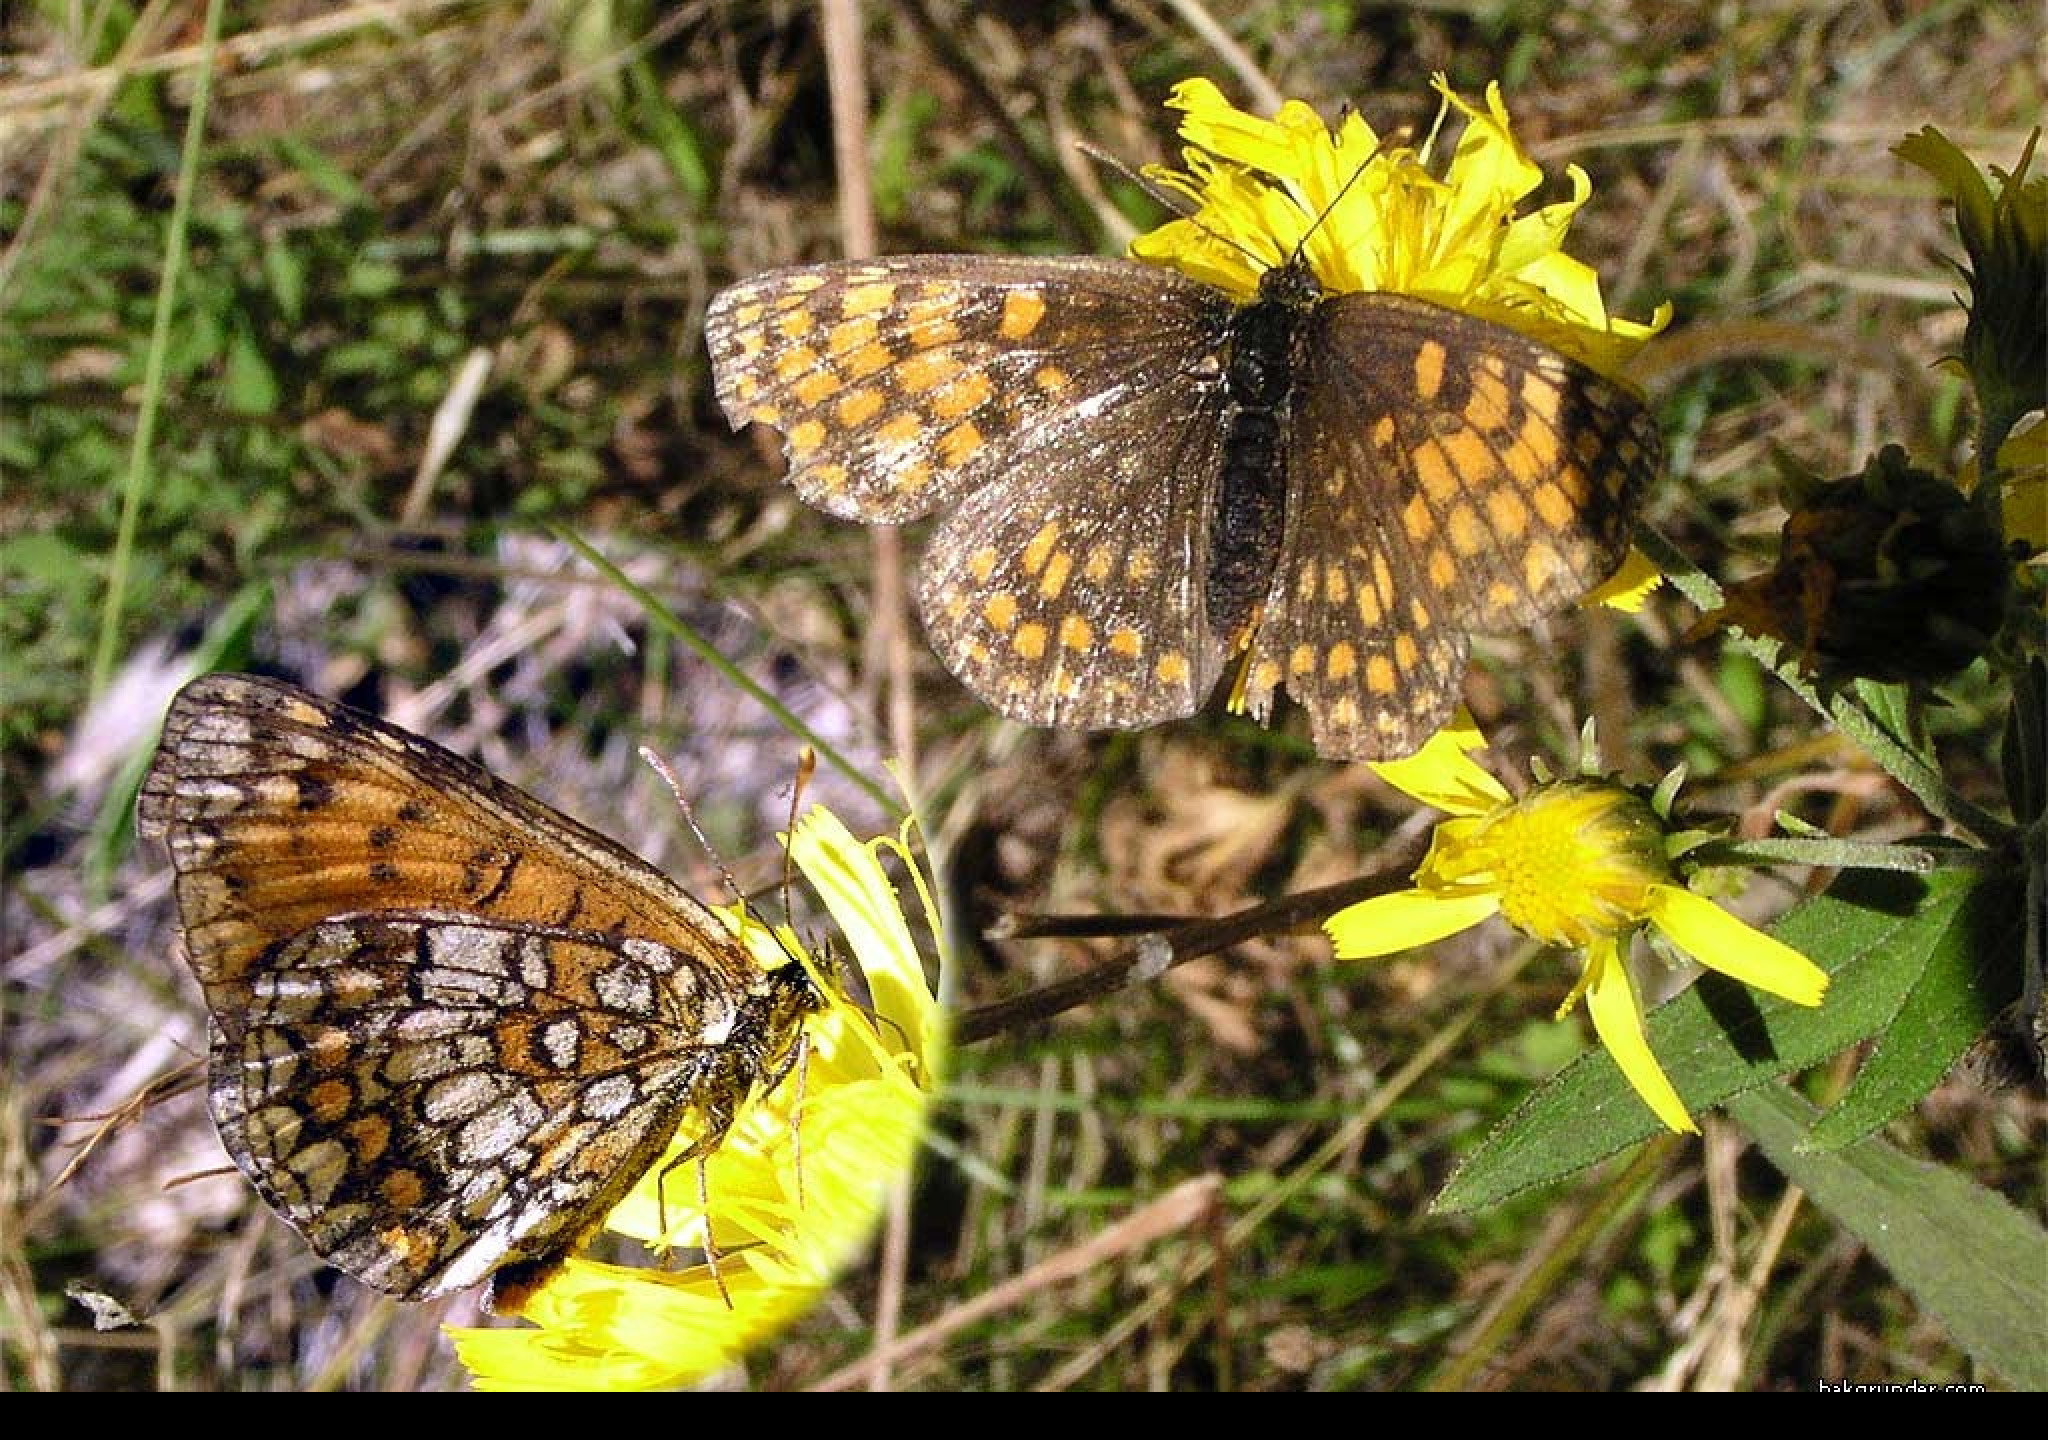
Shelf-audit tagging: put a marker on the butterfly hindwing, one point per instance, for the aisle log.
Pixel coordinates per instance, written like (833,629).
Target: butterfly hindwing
(426,1095)
(1046,598)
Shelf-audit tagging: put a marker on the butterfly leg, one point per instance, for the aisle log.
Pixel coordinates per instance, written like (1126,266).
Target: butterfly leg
(718,1117)
(710,1241)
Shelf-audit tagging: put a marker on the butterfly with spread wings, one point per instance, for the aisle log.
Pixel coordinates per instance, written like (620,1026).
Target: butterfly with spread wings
(1140,480)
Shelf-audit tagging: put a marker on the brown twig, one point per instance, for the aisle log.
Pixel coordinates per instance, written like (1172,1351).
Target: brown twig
(1160,949)
(110,1123)
(1179,1209)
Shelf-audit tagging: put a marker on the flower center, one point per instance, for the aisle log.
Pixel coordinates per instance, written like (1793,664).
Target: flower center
(1570,862)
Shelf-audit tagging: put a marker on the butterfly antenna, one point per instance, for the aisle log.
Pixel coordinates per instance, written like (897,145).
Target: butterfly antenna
(806,767)
(1301,245)
(675,788)
(1168,199)
(1160,195)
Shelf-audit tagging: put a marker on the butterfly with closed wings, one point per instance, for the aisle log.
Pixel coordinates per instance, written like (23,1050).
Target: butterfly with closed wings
(451,1027)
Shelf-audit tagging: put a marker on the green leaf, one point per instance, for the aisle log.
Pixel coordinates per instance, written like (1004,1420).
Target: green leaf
(193,345)
(41,557)
(1891,705)
(248,385)
(285,272)
(1871,932)
(670,132)
(368,279)
(1971,971)
(1742,682)
(1970,1259)
(898,131)
(321,171)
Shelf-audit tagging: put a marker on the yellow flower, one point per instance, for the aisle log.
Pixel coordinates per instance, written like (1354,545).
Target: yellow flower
(795,1189)
(1369,215)
(1580,863)
(2005,233)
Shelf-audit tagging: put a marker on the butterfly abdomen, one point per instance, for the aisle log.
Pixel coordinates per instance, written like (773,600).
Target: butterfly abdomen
(1251,494)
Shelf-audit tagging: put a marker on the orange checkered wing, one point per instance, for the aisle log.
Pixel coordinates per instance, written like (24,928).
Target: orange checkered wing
(1065,417)
(1140,478)
(1446,476)
(281,808)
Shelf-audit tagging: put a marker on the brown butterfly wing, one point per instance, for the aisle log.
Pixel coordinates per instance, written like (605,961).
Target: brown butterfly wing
(1063,415)
(428,1097)
(1446,477)
(282,809)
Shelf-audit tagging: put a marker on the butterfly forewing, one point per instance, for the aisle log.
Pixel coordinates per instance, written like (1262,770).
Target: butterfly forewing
(1510,469)
(281,809)
(904,382)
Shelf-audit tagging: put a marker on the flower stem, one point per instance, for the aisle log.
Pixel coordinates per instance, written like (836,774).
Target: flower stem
(1174,942)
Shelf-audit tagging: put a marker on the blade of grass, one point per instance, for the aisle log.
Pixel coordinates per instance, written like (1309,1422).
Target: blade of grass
(159,349)
(709,654)
(1612,1201)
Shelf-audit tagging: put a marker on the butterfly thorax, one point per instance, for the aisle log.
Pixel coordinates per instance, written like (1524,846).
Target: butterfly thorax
(772,1019)
(759,1049)
(1246,526)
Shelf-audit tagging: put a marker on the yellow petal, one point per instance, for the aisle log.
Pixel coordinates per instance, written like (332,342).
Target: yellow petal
(1617,1019)
(608,1327)
(1369,215)
(1532,249)
(2024,460)
(1489,171)
(1721,942)
(1629,587)
(869,914)
(1389,924)
(1277,146)
(1442,773)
